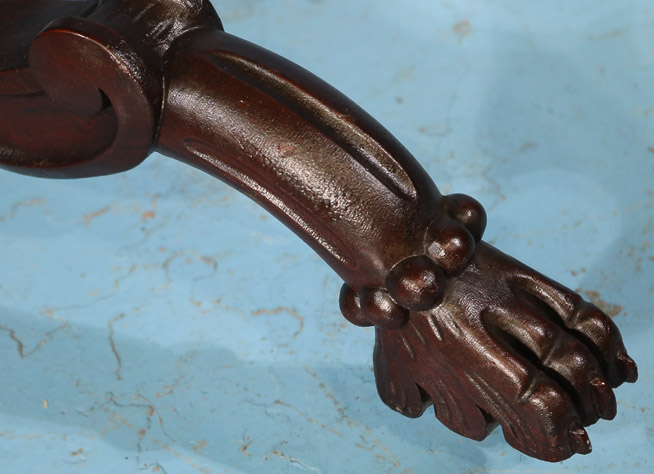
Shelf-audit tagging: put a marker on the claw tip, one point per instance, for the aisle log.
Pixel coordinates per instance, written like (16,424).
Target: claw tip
(604,398)
(629,368)
(579,440)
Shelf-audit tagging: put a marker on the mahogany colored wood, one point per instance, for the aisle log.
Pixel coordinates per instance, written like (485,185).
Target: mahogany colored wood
(90,88)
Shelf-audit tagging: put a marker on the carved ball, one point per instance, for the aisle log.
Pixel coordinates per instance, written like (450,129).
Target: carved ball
(469,212)
(351,307)
(451,245)
(380,309)
(416,283)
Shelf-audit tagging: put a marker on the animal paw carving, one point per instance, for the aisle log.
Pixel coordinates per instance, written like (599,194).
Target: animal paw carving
(90,88)
(505,345)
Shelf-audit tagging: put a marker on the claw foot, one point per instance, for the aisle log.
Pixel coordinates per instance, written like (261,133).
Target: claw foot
(504,346)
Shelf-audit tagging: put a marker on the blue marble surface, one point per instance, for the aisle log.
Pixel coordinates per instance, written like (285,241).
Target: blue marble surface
(158,321)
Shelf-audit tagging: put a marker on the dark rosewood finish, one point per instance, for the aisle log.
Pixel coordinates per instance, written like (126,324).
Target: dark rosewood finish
(90,88)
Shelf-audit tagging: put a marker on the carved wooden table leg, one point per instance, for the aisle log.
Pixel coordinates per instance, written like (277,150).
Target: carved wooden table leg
(459,324)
